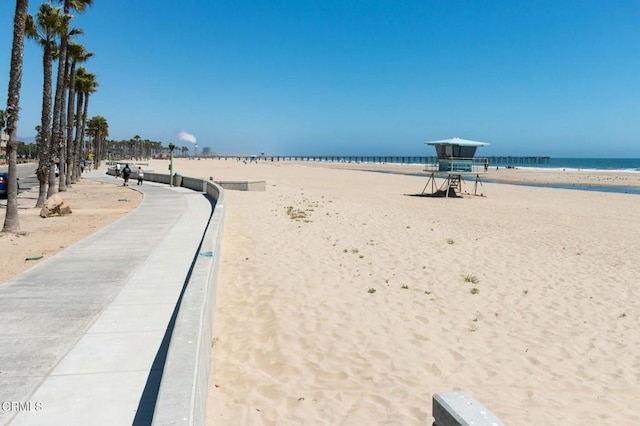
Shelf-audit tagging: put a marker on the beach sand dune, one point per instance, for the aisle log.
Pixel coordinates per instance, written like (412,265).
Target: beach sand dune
(344,300)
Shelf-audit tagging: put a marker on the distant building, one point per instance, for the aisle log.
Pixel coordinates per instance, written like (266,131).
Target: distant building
(4,139)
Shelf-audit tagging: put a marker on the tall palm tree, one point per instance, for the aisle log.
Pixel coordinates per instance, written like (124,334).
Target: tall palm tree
(137,146)
(10,116)
(45,30)
(60,125)
(98,129)
(58,105)
(146,149)
(82,83)
(85,85)
(77,54)
(157,147)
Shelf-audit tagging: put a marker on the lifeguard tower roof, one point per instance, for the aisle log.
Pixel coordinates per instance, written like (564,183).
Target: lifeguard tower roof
(456,148)
(457,141)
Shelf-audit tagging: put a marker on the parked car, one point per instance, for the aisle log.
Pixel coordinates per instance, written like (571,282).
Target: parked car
(56,169)
(4,184)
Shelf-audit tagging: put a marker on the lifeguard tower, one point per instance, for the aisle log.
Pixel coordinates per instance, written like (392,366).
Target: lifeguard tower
(455,160)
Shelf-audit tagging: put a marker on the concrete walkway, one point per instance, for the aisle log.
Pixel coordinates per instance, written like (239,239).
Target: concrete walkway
(80,331)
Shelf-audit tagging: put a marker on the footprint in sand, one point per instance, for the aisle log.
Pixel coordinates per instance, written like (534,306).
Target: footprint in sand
(422,319)
(380,356)
(269,392)
(433,368)
(419,337)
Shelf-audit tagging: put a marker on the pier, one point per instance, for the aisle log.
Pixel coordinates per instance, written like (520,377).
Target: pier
(494,161)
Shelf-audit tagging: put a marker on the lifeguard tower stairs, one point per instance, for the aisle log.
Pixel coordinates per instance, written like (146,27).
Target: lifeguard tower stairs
(455,160)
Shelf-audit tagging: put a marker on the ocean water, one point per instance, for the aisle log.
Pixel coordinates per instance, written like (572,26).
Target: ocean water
(610,164)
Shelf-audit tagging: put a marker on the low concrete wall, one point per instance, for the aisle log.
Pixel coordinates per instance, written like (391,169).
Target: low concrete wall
(244,185)
(157,177)
(182,398)
(459,408)
(195,184)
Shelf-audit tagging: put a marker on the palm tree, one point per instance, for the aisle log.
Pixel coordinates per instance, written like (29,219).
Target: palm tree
(10,117)
(137,147)
(146,147)
(59,126)
(98,129)
(157,146)
(58,106)
(45,31)
(81,83)
(85,85)
(92,85)
(77,54)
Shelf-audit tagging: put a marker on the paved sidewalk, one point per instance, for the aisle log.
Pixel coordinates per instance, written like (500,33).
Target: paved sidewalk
(79,332)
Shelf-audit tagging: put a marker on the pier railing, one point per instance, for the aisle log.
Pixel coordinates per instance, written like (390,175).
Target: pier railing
(393,159)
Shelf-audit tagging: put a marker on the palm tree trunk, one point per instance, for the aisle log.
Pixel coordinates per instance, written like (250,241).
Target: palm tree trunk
(11,220)
(62,140)
(64,158)
(84,126)
(78,141)
(58,107)
(44,148)
(71,170)
(52,181)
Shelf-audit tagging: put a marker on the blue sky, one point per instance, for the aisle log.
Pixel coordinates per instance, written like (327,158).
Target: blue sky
(347,77)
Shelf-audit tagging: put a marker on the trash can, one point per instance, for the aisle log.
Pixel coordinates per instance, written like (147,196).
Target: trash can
(177,179)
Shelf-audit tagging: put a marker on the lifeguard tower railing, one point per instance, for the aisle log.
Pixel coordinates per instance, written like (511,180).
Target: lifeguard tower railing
(458,165)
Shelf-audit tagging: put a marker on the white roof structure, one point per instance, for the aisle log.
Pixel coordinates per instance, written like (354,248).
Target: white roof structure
(457,141)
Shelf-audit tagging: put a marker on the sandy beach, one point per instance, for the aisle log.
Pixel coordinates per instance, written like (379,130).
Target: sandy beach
(345,300)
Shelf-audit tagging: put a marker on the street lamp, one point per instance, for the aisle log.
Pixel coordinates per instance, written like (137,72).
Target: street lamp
(171,148)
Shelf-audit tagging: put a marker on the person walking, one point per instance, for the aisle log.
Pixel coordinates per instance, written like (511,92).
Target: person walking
(126,172)
(117,170)
(140,175)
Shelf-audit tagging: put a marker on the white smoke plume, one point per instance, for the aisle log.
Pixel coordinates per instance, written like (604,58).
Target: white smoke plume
(187,137)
